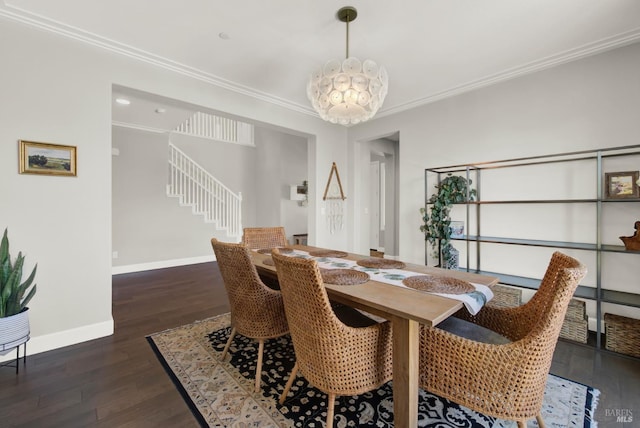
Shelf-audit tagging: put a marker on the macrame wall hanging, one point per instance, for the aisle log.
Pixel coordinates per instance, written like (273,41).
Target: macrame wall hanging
(334,196)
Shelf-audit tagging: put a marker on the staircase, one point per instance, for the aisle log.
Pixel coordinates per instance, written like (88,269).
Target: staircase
(197,188)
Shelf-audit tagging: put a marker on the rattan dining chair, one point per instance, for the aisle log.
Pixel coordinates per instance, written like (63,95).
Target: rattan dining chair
(503,380)
(257,311)
(264,237)
(334,357)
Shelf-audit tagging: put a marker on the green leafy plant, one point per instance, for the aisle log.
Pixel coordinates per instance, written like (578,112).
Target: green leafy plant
(451,190)
(12,292)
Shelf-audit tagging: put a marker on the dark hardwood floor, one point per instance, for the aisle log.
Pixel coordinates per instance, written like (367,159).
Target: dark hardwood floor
(117,381)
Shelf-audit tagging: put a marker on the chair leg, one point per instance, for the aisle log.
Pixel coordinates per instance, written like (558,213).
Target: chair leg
(522,424)
(541,423)
(330,408)
(226,347)
(287,387)
(259,364)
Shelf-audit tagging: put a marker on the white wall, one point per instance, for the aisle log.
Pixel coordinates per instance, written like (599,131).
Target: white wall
(587,104)
(52,94)
(149,228)
(56,89)
(282,163)
(232,164)
(152,230)
(361,201)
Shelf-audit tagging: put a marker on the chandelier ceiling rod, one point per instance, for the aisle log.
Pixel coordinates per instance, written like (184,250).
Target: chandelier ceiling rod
(347,54)
(347,14)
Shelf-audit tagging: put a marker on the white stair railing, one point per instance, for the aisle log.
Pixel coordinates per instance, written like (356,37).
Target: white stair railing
(196,187)
(218,128)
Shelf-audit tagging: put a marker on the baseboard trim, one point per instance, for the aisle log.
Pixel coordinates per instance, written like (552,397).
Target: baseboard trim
(49,342)
(116,270)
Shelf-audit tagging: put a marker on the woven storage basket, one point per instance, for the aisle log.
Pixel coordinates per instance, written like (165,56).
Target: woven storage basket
(576,310)
(506,297)
(577,330)
(622,334)
(376,253)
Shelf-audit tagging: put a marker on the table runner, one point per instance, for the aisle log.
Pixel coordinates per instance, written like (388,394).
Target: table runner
(473,301)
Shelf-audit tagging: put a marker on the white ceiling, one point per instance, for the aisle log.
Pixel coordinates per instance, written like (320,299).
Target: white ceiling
(431,48)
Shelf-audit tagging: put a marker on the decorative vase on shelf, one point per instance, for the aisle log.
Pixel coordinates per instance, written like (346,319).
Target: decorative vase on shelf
(632,243)
(453,261)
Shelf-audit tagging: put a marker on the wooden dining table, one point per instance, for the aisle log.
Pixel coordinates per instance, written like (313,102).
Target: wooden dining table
(406,309)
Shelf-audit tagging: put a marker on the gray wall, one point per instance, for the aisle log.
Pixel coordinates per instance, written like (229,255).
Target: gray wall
(58,89)
(148,226)
(587,104)
(152,230)
(367,151)
(282,162)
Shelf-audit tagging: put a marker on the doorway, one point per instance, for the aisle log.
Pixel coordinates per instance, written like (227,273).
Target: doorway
(379,228)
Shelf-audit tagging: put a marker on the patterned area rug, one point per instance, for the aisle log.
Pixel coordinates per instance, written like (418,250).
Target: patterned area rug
(221,393)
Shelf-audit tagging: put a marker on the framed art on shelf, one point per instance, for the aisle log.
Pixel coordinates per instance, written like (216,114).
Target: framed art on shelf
(46,158)
(457,229)
(621,185)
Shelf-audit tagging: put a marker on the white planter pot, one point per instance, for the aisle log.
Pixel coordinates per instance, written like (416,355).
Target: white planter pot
(14,331)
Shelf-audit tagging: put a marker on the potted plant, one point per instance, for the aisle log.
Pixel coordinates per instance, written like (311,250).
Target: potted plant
(451,190)
(14,318)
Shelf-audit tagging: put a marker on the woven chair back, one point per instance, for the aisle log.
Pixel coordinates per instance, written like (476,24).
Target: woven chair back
(545,311)
(508,380)
(256,310)
(542,317)
(334,357)
(264,237)
(549,304)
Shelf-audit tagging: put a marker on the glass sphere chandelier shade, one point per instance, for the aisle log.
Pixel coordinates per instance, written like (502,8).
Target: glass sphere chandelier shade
(351,91)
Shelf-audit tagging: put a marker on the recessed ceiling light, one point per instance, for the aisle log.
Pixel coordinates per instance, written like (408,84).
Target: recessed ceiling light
(160,110)
(224,36)
(123,101)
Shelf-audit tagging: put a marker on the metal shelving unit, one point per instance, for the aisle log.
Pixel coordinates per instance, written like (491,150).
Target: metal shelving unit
(475,172)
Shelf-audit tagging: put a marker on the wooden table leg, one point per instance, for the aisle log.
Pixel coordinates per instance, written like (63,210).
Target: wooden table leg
(405,372)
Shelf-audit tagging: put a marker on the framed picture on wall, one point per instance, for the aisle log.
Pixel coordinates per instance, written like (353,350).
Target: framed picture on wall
(621,185)
(46,158)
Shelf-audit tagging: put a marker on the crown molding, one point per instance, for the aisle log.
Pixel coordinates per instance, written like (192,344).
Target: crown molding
(20,15)
(606,44)
(169,132)
(43,23)
(140,127)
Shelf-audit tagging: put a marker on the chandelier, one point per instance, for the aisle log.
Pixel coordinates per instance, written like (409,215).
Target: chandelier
(351,91)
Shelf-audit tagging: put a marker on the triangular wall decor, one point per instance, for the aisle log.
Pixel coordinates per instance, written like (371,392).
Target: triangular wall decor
(334,190)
